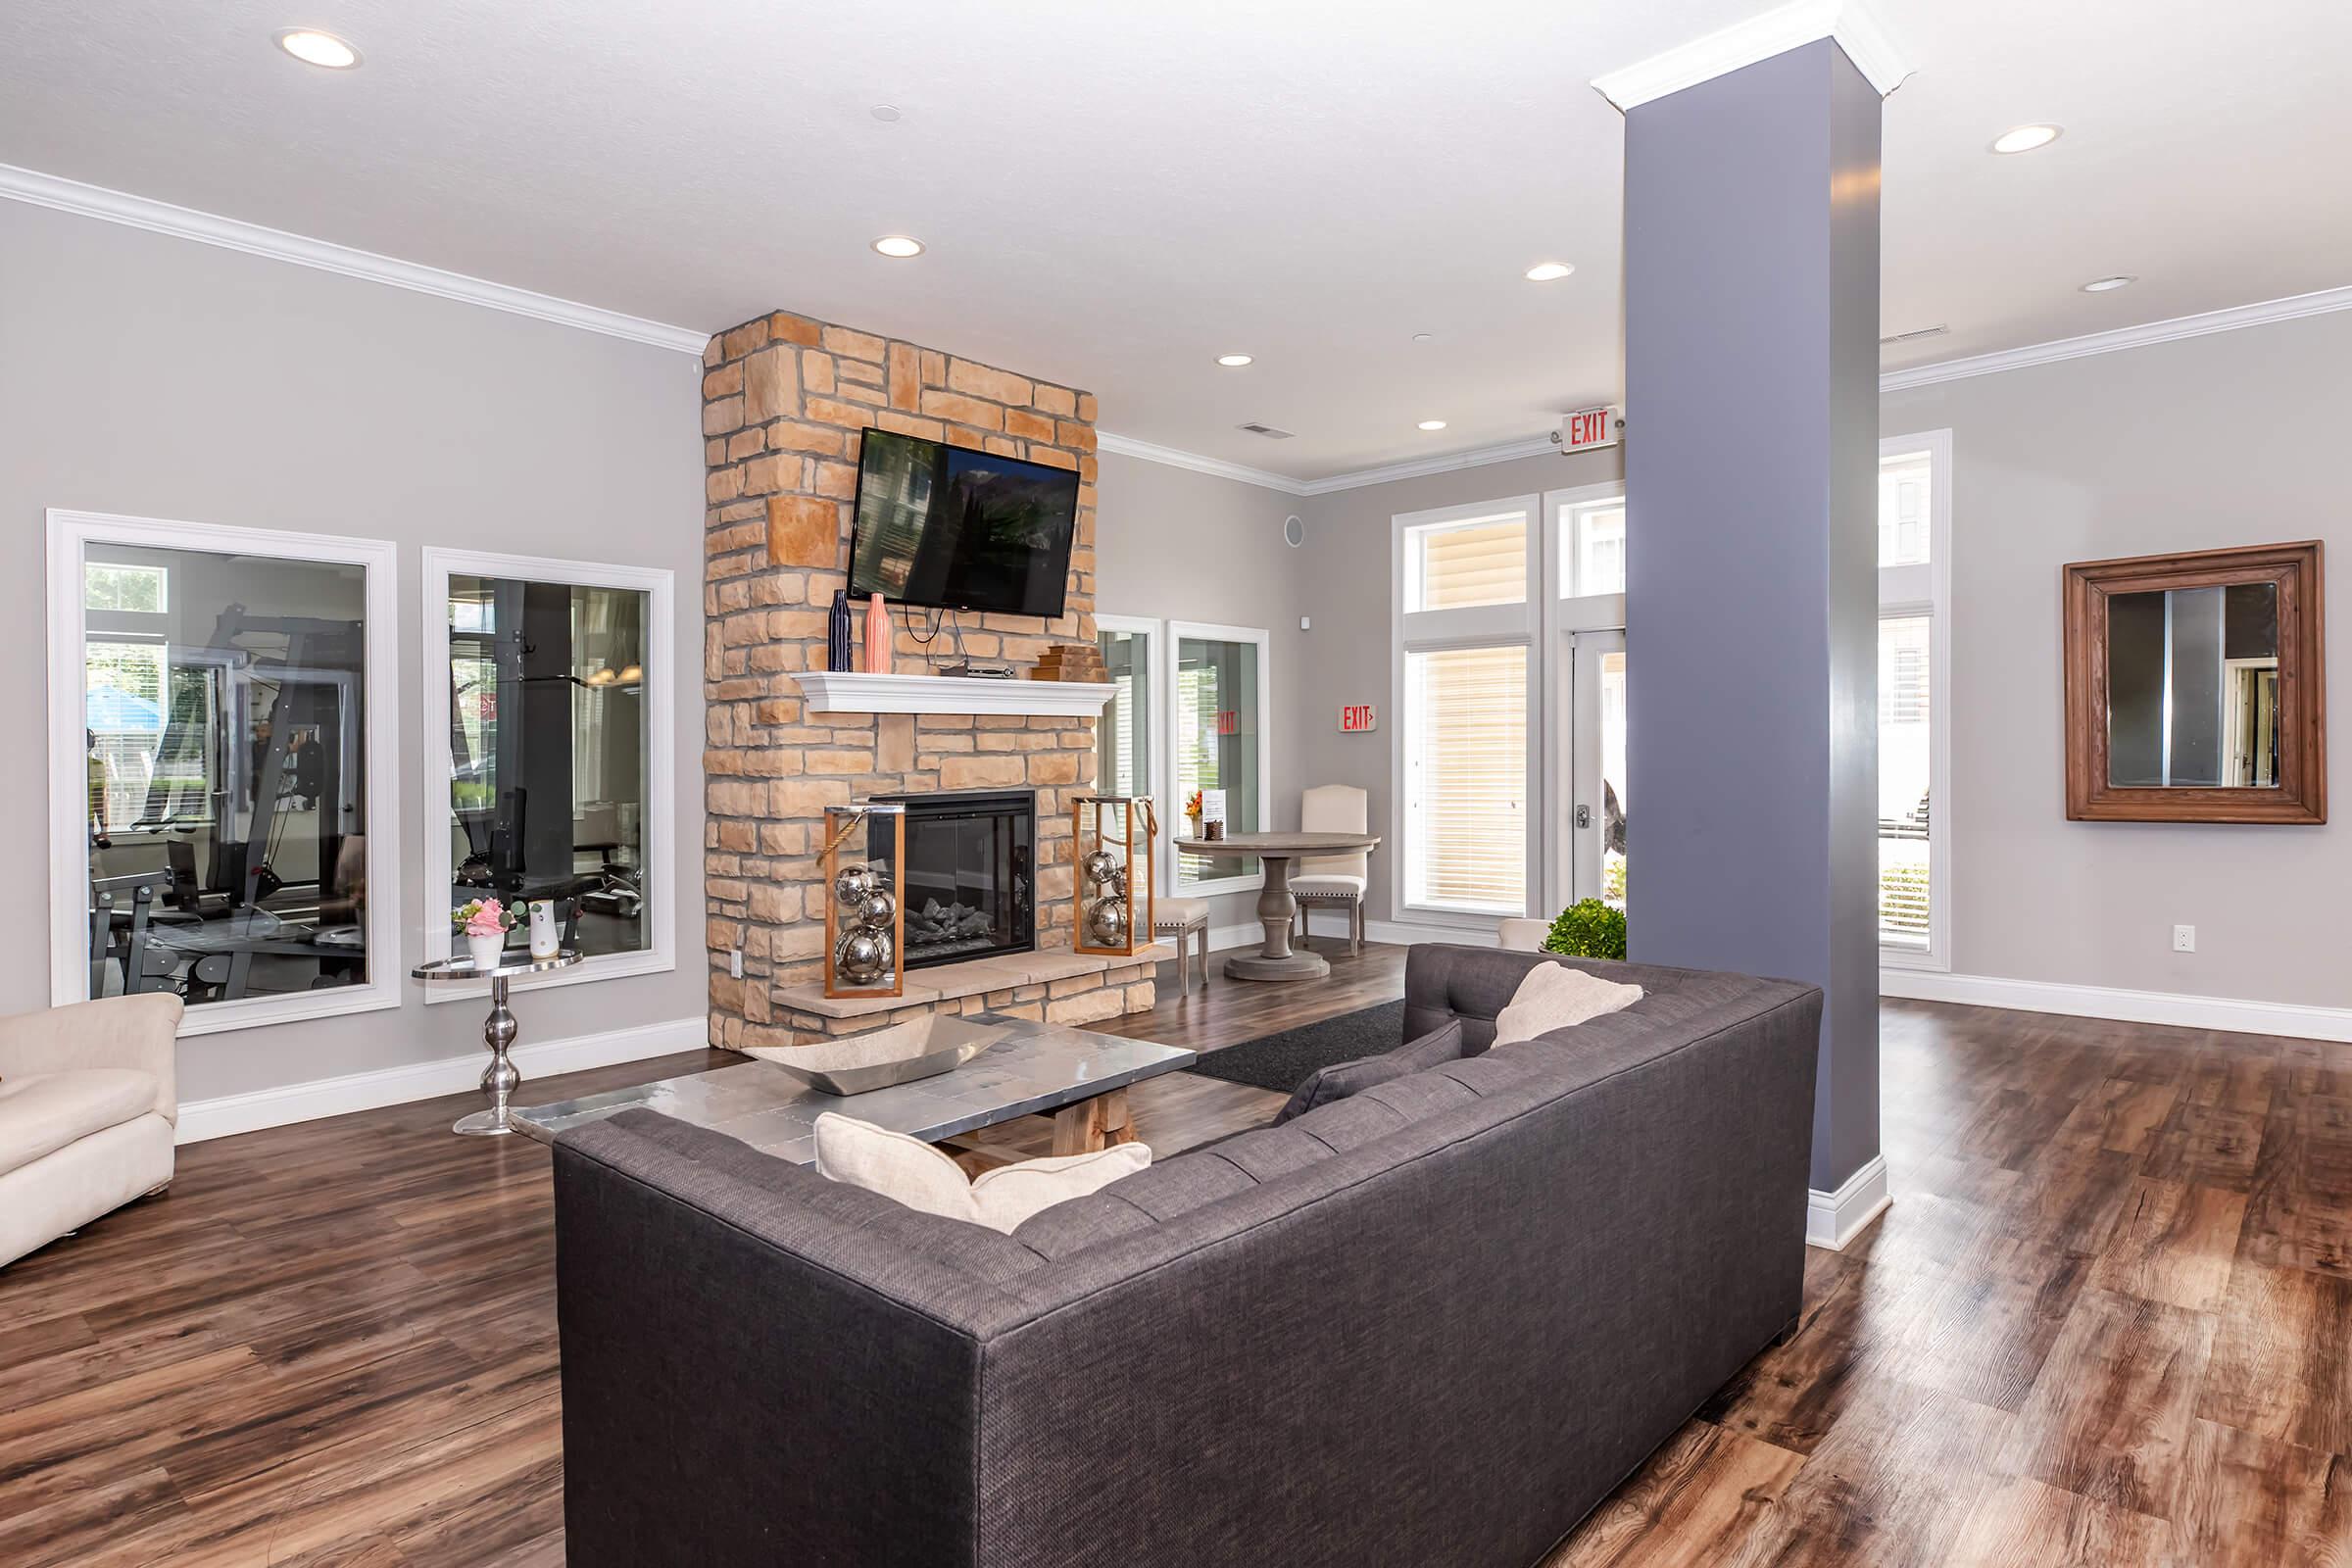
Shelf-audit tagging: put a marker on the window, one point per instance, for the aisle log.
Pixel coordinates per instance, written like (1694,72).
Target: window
(547,716)
(1914,657)
(1593,547)
(1466,562)
(1462,687)
(125,586)
(1217,709)
(222,744)
(1123,737)
(1465,777)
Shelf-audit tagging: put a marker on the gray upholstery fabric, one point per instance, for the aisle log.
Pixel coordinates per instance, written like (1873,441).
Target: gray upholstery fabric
(1324,1084)
(1434,1322)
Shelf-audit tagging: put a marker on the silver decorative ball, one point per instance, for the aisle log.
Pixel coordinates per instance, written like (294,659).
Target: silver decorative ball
(876,909)
(861,958)
(1099,866)
(1106,922)
(852,883)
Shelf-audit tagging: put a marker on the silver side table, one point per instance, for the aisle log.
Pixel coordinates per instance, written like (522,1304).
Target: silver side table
(500,1078)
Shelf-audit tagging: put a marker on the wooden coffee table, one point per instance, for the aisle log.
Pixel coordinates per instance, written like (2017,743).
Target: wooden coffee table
(1076,1076)
(1277,910)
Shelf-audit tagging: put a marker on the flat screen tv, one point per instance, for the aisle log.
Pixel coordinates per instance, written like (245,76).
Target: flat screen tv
(949,528)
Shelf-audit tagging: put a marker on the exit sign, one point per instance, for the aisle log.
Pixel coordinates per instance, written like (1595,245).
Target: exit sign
(1358,718)
(1586,429)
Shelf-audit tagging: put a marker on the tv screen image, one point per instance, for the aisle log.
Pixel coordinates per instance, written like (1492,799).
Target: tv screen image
(949,528)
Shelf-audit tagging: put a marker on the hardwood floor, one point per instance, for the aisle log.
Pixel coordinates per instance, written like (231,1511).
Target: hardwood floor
(2108,1321)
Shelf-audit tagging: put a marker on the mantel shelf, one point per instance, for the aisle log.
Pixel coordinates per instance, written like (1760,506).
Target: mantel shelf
(848,692)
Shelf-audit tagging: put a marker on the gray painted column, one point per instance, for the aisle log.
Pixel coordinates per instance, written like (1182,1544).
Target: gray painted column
(1751,261)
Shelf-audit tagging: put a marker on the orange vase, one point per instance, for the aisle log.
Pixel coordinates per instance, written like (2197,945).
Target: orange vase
(877,637)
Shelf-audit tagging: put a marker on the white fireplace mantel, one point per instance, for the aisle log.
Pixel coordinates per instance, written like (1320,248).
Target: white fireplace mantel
(848,692)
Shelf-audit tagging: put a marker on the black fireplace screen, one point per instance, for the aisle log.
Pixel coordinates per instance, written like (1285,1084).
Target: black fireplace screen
(970,886)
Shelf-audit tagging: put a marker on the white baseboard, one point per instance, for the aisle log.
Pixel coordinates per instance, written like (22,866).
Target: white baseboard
(428,1080)
(1407,933)
(1833,1219)
(2131,1006)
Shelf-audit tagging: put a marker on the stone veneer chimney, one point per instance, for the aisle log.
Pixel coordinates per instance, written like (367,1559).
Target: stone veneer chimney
(784,402)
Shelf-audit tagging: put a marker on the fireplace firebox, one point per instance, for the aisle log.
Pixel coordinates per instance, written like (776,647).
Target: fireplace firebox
(971,874)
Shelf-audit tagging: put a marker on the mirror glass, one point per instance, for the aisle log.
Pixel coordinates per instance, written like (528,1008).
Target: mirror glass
(2192,687)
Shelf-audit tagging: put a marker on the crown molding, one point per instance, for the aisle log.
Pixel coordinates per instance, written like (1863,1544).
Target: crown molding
(1537,446)
(162,218)
(1177,457)
(2260,314)
(1743,44)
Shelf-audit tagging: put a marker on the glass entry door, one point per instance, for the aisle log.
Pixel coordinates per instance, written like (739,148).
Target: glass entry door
(1592,730)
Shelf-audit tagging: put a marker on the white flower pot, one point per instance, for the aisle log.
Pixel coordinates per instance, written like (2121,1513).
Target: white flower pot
(485,950)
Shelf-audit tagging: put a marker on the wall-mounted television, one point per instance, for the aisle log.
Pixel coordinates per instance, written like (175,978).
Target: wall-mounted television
(946,528)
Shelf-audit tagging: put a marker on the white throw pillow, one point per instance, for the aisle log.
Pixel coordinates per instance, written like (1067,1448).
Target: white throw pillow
(912,1171)
(1554,996)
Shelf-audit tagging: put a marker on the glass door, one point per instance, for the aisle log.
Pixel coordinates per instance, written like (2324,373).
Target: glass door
(1593,833)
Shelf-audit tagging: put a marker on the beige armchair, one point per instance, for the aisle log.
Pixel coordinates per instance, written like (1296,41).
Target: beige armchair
(88,1102)
(1334,879)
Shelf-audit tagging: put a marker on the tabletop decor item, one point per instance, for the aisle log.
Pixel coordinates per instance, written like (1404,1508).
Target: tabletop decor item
(866,899)
(1111,837)
(877,636)
(1191,813)
(837,632)
(882,1059)
(546,937)
(1078,661)
(485,923)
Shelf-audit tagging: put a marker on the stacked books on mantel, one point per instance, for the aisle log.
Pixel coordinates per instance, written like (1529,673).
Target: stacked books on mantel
(1079,662)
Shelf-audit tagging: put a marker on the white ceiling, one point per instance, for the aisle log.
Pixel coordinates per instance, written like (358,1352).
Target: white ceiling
(1115,194)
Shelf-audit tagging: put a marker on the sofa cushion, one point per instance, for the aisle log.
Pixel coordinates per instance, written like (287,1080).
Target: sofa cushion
(917,1175)
(1553,995)
(41,1113)
(1324,1084)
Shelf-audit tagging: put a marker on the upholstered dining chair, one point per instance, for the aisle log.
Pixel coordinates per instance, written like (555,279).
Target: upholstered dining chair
(1186,920)
(1329,880)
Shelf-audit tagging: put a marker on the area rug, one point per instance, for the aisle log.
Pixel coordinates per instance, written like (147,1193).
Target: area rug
(1279,1061)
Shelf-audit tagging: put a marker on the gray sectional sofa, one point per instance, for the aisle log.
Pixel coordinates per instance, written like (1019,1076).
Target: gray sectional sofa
(1434,1323)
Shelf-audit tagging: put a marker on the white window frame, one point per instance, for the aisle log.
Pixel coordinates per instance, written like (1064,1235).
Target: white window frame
(71,533)
(1564,616)
(1914,591)
(1173,734)
(1156,766)
(659,584)
(1417,631)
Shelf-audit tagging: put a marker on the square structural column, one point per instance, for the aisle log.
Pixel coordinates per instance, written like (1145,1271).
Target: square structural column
(1751,264)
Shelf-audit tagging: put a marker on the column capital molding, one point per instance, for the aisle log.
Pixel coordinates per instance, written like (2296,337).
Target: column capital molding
(1776,31)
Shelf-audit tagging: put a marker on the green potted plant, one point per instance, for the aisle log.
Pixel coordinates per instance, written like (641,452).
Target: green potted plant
(1590,929)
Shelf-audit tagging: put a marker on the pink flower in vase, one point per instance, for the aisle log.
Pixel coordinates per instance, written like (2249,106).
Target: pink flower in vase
(488,920)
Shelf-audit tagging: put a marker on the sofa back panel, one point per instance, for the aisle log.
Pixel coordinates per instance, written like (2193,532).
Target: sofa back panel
(929,1260)
(1350,1123)
(1450,1343)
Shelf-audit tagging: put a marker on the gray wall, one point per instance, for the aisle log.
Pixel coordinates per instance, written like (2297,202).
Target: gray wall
(151,376)
(2089,459)
(1174,545)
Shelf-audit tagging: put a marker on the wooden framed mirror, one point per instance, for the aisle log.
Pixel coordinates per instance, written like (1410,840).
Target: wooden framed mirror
(2195,687)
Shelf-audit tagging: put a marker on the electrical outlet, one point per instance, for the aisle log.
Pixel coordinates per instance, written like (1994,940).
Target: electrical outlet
(2184,939)
(735,963)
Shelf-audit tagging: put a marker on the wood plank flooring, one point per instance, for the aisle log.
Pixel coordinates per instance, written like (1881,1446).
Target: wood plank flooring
(2108,1321)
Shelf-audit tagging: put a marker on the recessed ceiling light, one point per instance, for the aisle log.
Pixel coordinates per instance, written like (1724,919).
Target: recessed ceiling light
(885,112)
(1432,424)
(2100,285)
(1233,361)
(2025,138)
(899,246)
(314,48)
(1545,271)
(1424,337)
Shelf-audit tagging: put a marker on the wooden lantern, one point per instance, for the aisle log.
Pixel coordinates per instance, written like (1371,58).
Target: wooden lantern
(1110,852)
(864,865)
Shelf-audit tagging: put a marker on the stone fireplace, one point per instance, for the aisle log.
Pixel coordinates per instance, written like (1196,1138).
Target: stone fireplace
(785,403)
